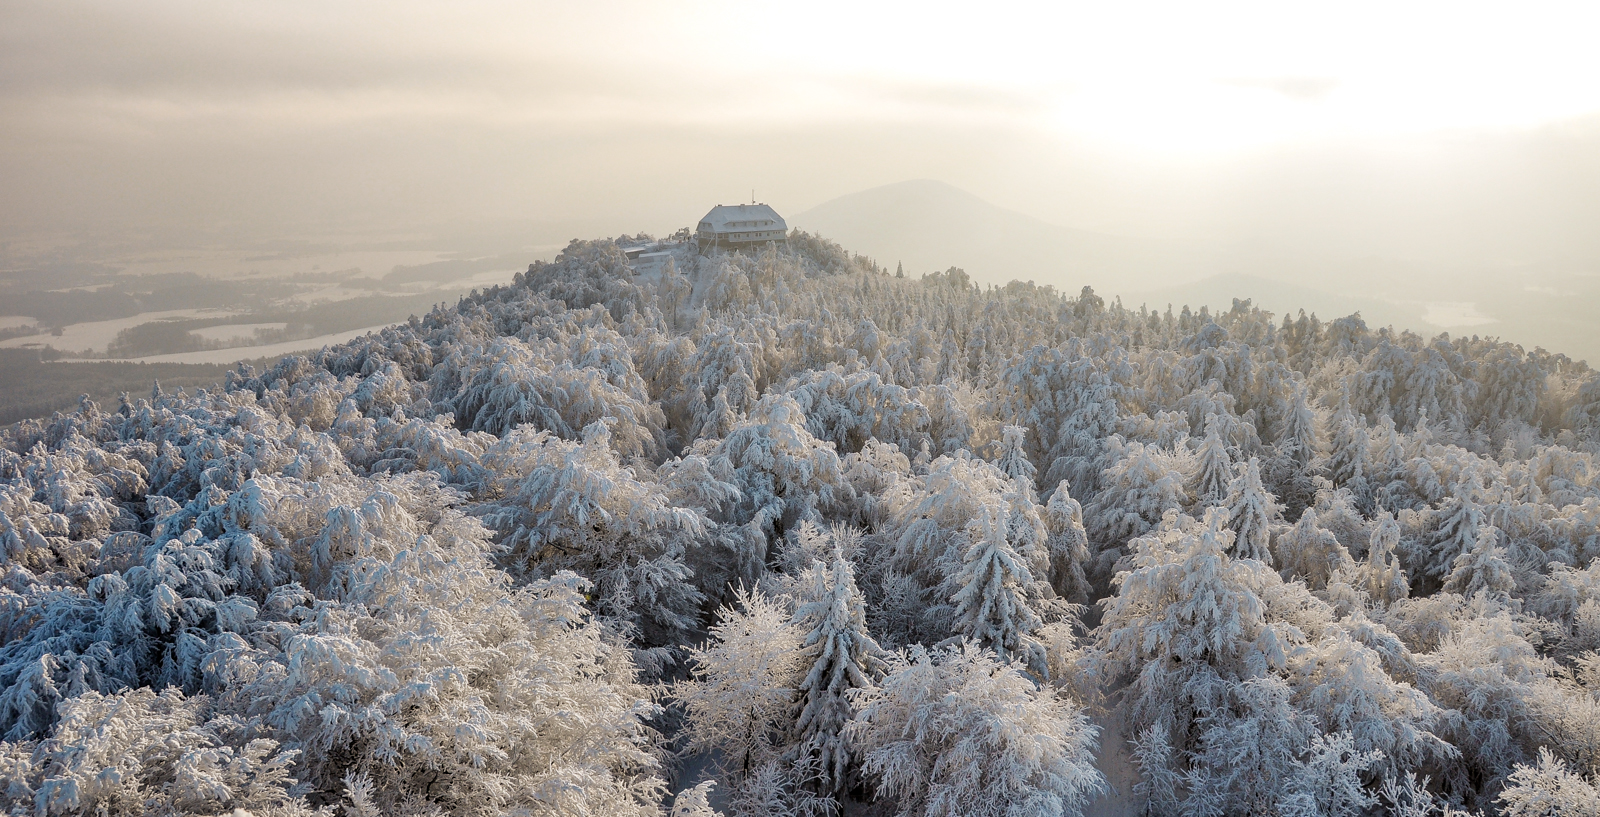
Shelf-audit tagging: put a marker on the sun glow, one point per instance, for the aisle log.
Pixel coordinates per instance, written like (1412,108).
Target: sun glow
(1169,76)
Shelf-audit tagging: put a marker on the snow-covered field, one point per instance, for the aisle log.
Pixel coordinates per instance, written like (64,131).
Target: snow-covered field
(96,335)
(230,331)
(13,321)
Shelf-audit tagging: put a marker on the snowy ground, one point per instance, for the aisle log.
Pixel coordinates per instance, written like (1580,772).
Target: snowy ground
(13,321)
(1115,762)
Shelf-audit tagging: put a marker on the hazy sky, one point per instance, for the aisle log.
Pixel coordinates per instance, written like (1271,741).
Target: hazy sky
(1439,131)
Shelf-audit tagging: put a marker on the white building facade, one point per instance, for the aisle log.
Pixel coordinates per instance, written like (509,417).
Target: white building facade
(740,225)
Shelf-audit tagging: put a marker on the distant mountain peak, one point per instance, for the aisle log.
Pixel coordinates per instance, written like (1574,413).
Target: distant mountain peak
(931,225)
(919,195)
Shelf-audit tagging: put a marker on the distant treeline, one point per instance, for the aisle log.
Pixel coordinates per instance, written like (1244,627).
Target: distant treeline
(30,388)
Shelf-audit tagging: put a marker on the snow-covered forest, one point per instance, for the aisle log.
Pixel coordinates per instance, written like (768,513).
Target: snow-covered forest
(785,533)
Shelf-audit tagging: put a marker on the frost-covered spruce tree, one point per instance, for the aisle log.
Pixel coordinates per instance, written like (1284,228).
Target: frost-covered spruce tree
(1252,512)
(1140,486)
(1311,554)
(954,733)
(1386,464)
(1347,447)
(721,383)
(1249,750)
(1070,397)
(1295,461)
(1213,468)
(573,506)
(1068,545)
(741,700)
(784,474)
(931,514)
(1380,575)
(1483,568)
(1012,458)
(842,656)
(1222,654)
(1186,623)
(1461,520)
(1298,440)
(930,533)
(991,605)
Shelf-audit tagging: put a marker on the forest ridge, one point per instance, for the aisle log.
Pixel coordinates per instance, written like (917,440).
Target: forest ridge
(780,532)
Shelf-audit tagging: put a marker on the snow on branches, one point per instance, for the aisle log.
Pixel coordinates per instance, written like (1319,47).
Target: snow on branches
(450,567)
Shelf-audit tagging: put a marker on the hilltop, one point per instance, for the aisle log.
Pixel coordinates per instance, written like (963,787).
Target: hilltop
(776,532)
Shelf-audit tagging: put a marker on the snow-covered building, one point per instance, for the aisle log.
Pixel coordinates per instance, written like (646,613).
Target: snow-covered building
(649,258)
(649,263)
(740,225)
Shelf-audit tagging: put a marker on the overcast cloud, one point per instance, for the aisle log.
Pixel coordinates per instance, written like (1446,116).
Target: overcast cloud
(1415,131)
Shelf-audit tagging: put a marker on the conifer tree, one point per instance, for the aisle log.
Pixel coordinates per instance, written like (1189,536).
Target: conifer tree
(1347,448)
(1463,517)
(1187,621)
(1252,511)
(1299,438)
(1012,459)
(1381,575)
(1311,554)
(991,597)
(1294,464)
(842,656)
(1139,488)
(1213,468)
(1484,568)
(1068,545)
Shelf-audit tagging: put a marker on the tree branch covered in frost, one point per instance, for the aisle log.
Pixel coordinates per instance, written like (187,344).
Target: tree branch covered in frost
(1304,567)
(954,732)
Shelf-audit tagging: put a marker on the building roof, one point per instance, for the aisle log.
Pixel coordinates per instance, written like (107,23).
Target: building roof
(728,218)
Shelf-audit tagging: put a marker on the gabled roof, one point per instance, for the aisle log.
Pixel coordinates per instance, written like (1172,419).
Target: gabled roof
(727,218)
